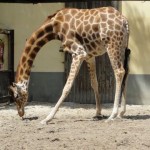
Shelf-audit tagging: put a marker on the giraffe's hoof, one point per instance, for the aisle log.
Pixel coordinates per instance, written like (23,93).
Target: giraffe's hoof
(99,117)
(44,122)
(109,120)
(119,116)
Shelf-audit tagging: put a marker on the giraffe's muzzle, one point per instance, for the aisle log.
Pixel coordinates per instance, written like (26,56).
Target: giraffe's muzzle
(21,112)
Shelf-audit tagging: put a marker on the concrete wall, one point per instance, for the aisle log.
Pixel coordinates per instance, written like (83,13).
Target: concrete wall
(138,15)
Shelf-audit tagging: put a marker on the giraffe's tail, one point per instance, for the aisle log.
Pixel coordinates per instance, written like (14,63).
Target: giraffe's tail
(127,55)
(126,66)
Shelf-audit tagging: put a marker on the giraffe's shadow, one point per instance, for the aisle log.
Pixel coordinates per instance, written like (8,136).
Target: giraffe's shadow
(30,118)
(130,117)
(137,117)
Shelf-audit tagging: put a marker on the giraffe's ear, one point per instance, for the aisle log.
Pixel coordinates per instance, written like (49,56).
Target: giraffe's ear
(13,91)
(12,88)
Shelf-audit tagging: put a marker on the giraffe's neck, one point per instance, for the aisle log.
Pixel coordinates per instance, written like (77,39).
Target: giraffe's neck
(32,47)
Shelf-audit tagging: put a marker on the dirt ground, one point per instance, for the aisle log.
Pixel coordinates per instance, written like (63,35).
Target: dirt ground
(74,129)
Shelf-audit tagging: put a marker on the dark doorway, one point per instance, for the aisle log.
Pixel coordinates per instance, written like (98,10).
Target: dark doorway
(6,63)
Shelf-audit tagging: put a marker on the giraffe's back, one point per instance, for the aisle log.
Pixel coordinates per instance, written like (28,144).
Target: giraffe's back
(92,28)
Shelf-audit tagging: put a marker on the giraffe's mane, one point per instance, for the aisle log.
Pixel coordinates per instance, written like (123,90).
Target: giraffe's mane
(51,16)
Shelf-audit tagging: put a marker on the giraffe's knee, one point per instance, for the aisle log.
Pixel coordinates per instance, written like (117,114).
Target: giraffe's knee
(121,71)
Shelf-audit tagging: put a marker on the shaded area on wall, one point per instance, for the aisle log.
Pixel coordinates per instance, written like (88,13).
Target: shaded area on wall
(46,86)
(138,89)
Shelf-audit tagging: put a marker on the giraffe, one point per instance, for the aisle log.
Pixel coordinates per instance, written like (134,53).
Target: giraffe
(85,33)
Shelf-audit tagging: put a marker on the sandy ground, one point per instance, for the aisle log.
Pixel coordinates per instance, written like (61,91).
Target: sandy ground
(74,129)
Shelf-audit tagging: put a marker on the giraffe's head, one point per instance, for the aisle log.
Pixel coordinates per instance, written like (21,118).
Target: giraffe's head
(20,96)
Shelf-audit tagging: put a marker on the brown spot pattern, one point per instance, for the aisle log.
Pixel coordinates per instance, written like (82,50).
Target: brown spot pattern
(104,17)
(32,55)
(117,27)
(110,22)
(27,49)
(27,72)
(36,49)
(41,43)
(30,62)
(103,25)
(95,28)
(93,45)
(40,34)
(24,59)
(48,28)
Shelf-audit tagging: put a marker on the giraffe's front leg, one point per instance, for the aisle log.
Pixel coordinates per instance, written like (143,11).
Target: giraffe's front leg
(124,84)
(75,66)
(117,65)
(119,77)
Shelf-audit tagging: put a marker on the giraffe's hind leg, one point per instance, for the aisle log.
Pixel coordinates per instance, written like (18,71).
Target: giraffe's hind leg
(116,60)
(123,103)
(124,84)
(92,70)
(123,96)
